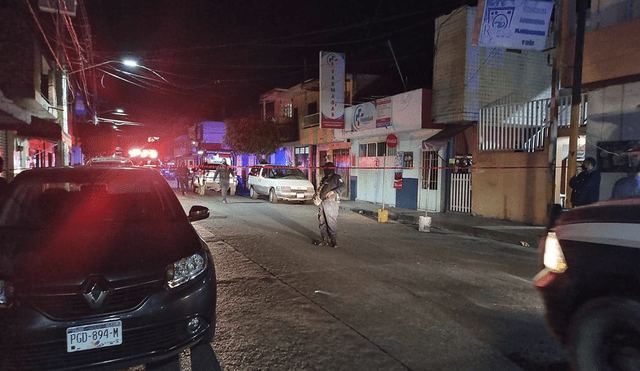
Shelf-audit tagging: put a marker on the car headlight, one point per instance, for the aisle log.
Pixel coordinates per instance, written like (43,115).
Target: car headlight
(6,294)
(285,189)
(185,270)
(553,258)
(311,189)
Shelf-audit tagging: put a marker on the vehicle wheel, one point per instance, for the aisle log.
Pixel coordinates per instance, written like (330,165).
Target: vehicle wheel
(272,196)
(253,193)
(605,335)
(232,191)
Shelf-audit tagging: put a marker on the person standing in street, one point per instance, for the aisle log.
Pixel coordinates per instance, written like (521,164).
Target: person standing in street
(327,198)
(224,171)
(4,185)
(183,178)
(627,187)
(586,185)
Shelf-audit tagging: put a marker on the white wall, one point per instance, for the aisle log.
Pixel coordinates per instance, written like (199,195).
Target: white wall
(406,115)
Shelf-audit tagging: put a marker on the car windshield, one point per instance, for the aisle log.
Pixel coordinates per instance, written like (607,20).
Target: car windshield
(288,173)
(40,203)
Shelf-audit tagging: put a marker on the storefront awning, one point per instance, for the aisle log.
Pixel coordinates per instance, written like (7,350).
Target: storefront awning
(439,140)
(37,129)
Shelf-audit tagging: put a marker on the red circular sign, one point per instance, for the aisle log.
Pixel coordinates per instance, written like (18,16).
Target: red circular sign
(392,140)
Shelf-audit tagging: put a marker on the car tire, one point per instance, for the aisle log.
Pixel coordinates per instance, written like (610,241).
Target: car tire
(604,331)
(253,193)
(272,196)
(232,191)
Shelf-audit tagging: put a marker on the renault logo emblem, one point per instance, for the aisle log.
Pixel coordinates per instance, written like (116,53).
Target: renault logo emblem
(95,292)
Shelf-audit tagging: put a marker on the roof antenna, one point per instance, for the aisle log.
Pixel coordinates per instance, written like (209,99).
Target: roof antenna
(404,86)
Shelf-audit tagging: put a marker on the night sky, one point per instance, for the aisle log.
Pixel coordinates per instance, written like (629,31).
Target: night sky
(218,57)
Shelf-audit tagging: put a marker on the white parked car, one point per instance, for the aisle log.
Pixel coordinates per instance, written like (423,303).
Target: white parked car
(279,183)
(203,180)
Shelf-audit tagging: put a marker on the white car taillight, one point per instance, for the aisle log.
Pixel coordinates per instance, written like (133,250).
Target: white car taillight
(553,258)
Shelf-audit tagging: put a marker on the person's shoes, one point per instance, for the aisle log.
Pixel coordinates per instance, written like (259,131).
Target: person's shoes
(333,243)
(224,201)
(323,242)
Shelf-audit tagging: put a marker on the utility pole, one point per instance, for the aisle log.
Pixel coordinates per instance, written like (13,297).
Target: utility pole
(576,94)
(553,119)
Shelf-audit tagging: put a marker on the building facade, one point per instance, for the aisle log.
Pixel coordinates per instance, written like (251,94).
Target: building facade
(611,80)
(35,121)
(506,183)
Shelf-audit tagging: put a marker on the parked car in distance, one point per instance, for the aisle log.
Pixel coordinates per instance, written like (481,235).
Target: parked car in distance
(279,183)
(110,161)
(590,283)
(100,267)
(203,179)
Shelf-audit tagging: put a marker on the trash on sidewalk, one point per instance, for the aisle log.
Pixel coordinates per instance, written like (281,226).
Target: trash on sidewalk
(424,224)
(383,215)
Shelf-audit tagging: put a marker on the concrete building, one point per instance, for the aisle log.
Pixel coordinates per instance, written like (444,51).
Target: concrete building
(507,183)
(35,124)
(611,80)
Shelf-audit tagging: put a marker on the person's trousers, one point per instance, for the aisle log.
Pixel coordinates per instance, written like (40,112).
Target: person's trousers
(328,219)
(224,189)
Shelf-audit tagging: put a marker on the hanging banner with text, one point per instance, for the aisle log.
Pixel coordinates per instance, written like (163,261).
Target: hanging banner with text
(332,67)
(519,24)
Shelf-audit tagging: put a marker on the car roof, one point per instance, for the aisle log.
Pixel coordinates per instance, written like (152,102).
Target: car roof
(86,173)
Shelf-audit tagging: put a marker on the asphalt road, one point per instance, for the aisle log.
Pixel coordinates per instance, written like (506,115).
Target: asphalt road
(388,298)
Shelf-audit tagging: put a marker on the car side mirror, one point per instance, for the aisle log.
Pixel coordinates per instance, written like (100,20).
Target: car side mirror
(198,213)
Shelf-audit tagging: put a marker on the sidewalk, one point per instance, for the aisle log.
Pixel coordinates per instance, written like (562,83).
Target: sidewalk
(496,229)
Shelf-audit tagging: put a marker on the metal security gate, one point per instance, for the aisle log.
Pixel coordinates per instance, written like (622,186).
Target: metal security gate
(341,160)
(3,151)
(460,197)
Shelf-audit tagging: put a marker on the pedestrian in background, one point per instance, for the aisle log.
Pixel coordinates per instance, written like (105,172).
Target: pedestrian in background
(629,186)
(4,185)
(327,198)
(183,178)
(224,171)
(586,185)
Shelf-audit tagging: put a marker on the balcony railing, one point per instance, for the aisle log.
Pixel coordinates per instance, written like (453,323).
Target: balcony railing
(522,126)
(311,120)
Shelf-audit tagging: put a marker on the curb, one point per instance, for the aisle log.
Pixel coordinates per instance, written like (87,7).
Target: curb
(529,240)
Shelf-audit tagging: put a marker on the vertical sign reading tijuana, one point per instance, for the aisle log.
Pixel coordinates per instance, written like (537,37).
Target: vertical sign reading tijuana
(332,67)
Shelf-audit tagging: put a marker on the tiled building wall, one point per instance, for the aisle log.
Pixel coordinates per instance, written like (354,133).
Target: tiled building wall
(467,77)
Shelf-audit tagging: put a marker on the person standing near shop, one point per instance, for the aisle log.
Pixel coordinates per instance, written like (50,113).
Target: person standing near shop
(586,185)
(627,187)
(183,178)
(224,171)
(327,198)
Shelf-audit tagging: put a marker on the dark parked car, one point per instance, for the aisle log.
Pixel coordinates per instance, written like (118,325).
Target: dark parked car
(590,283)
(100,267)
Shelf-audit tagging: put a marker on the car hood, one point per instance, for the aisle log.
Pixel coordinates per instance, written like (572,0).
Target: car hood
(114,251)
(290,182)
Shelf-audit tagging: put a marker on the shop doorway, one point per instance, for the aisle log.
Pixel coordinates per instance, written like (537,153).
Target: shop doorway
(341,160)
(430,183)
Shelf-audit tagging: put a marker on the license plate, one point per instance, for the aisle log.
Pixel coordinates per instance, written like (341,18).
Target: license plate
(300,195)
(94,336)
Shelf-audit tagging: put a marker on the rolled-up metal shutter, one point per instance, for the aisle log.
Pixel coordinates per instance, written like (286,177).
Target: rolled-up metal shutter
(3,149)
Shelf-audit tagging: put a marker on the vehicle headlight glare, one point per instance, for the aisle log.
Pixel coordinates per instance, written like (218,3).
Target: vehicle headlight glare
(185,270)
(553,257)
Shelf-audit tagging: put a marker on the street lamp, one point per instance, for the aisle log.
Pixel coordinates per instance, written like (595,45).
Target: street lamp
(126,62)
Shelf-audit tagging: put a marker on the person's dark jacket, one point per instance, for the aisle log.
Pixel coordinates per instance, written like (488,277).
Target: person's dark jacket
(331,182)
(224,172)
(586,188)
